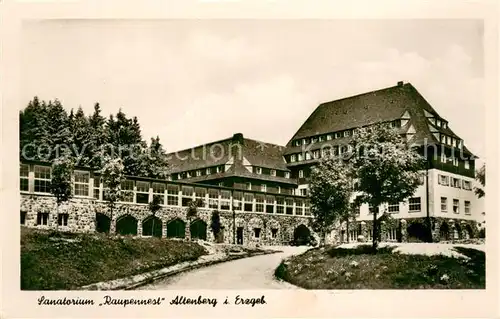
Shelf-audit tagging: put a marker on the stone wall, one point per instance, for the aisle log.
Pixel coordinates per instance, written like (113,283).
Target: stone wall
(82,218)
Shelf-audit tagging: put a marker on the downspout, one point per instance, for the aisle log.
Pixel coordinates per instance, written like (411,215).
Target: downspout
(428,217)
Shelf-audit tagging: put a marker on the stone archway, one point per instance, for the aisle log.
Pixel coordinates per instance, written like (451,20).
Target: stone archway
(102,223)
(417,232)
(444,231)
(152,226)
(198,229)
(176,228)
(301,235)
(126,225)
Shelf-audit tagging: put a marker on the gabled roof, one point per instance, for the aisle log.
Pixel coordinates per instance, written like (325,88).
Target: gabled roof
(237,152)
(369,108)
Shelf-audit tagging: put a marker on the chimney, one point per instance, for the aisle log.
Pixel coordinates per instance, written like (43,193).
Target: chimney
(400,83)
(238,138)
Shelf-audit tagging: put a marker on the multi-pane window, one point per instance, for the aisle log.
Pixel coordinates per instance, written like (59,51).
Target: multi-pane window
(142,192)
(456,206)
(316,154)
(301,174)
(280,208)
(248,186)
(273,172)
(353,235)
(307,210)
(81,183)
(287,174)
(200,194)
(97,187)
(208,171)
(159,192)
(237,201)
(443,158)
(127,191)
(300,157)
(187,195)
(455,161)
(308,156)
(225,200)
(213,198)
(62,219)
(299,207)
(415,204)
(289,206)
(42,219)
(466,164)
(338,135)
(392,234)
(303,192)
(467,185)
(467,207)
(393,208)
(329,137)
(42,179)
(172,195)
(24,171)
(248,202)
(258,170)
(198,173)
(259,203)
(270,204)
(293,158)
(263,188)
(444,204)
(443,180)
(456,182)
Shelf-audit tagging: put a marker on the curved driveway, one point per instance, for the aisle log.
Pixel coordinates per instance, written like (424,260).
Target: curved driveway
(247,273)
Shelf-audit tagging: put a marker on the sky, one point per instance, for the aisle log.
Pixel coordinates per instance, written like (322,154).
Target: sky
(196,81)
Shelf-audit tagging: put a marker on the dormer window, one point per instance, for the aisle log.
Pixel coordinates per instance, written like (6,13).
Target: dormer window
(287,174)
(329,137)
(396,123)
(198,173)
(218,169)
(258,170)
(448,140)
(293,158)
(308,156)
(347,133)
(445,125)
(207,171)
(314,140)
(438,123)
(273,172)
(338,135)
(188,174)
(316,154)
(442,138)
(304,141)
(443,158)
(321,138)
(466,164)
(300,157)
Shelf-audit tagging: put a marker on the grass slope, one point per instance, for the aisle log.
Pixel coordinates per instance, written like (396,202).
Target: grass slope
(359,268)
(51,260)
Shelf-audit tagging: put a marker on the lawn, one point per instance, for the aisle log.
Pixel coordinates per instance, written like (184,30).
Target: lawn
(360,268)
(52,260)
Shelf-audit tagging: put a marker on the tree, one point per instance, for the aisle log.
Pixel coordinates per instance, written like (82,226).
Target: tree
(154,206)
(97,137)
(33,133)
(386,169)
(80,130)
(192,209)
(155,160)
(215,224)
(58,127)
(330,192)
(112,176)
(481,178)
(61,182)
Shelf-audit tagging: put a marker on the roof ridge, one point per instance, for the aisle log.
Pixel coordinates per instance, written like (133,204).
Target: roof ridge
(365,93)
(251,139)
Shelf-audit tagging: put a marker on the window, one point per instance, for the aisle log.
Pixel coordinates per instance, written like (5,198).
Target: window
(415,205)
(248,202)
(208,171)
(258,170)
(448,140)
(259,203)
(24,177)
(456,206)
(173,195)
(443,180)
(353,235)
(42,219)
(393,208)
(308,156)
(23,218)
(303,191)
(187,195)
(467,207)
(280,202)
(299,207)
(248,186)
(304,141)
(188,174)
(329,137)
(237,201)
(293,158)
(142,193)
(466,164)
(443,158)
(316,154)
(81,185)
(444,204)
(455,161)
(42,179)
(225,200)
(273,172)
(274,232)
(314,139)
(279,189)
(127,191)
(347,133)
(263,188)
(338,135)
(289,206)
(300,157)
(256,232)
(198,173)
(442,138)
(287,174)
(97,187)
(456,182)
(213,198)
(438,122)
(218,169)
(392,234)
(270,204)
(62,219)
(159,192)
(301,174)
(321,138)
(199,194)
(396,123)
(467,185)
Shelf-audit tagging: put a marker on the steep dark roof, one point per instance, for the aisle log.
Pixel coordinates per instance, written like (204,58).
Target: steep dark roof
(382,105)
(236,151)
